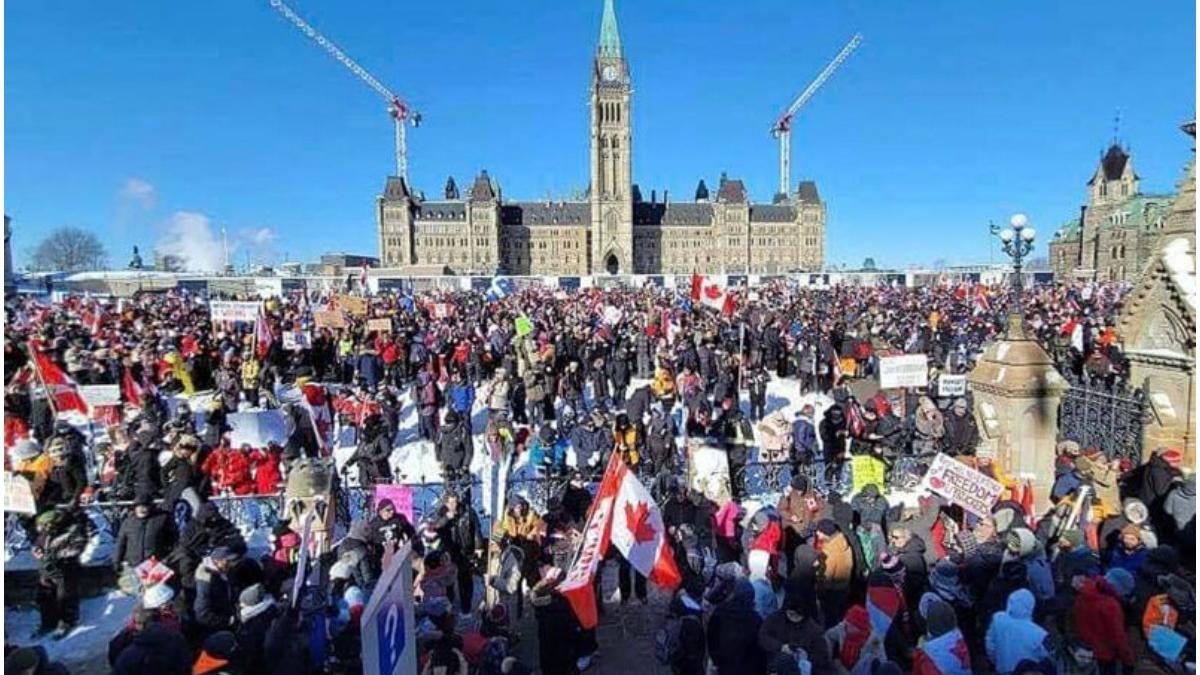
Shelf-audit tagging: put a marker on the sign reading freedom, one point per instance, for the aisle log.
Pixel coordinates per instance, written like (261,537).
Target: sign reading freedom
(963,485)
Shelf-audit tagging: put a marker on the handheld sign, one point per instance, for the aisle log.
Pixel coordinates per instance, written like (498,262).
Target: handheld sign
(962,485)
(904,370)
(18,494)
(952,385)
(389,644)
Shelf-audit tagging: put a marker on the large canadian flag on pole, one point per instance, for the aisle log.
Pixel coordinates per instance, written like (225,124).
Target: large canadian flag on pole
(711,293)
(623,514)
(58,384)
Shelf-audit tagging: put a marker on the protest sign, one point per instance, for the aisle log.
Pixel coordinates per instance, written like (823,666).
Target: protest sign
(905,370)
(18,494)
(866,470)
(952,385)
(962,485)
(352,304)
(708,471)
(524,326)
(294,341)
(442,310)
(401,497)
(257,428)
(96,395)
(612,315)
(225,310)
(329,319)
(381,325)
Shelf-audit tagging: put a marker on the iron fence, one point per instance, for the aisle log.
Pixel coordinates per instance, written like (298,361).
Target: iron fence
(1110,417)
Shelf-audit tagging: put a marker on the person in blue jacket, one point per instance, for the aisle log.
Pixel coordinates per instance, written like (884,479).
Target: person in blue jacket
(462,396)
(804,440)
(548,453)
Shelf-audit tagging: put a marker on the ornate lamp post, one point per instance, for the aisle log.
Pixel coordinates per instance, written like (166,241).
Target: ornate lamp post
(1017,242)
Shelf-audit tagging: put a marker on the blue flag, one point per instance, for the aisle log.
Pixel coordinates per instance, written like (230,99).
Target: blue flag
(501,287)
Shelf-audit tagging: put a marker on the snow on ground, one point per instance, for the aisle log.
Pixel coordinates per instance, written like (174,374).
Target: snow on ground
(84,649)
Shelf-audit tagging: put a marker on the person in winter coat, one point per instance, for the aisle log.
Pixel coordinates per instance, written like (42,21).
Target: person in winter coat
(961,433)
(591,442)
(256,612)
(1131,553)
(498,391)
(837,564)
(1180,505)
(804,441)
(738,436)
(757,381)
(851,645)
(373,453)
(944,650)
(428,399)
(145,532)
(1099,621)
(521,528)
(661,448)
(733,633)
(461,395)
(61,538)
(229,470)
(152,648)
(1013,636)
(798,508)
(560,637)
(792,629)
(459,531)
(835,441)
(548,452)
(68,473)
(207,530)
(265,463)
(390,529)
(215,608)
(911,551)
(454,447)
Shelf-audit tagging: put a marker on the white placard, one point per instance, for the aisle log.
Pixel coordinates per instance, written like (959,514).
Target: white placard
(708,473)
(962,485)
(906,370)
(224,310)
(18,494)
(952,385)
(294,341)
(257,428)
(96,395)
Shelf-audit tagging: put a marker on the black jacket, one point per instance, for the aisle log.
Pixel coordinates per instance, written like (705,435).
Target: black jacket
(156,649)
(252,637)
(454,447)
(461,534)
(961,434)
(140,538)
(66,481)
(216,604)
(558,634)
(733,634)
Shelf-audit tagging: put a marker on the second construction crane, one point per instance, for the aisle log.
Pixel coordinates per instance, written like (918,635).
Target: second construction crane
(397,108)
(782,129)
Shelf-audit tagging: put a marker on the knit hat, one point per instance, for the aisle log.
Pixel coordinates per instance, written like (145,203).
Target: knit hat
(939,618)
(157,595)
(223,554)
(1021,542)
(253,595)
(1121,580)
(946,569)
(891,565)
(799,483)
(219,648)
(1069,448)
(26,449)
(827,527)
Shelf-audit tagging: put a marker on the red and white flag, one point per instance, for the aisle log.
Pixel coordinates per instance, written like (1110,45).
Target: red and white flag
(982,304)
(711,293)
(58,384)
(262,336)
(623,514)
(132,389)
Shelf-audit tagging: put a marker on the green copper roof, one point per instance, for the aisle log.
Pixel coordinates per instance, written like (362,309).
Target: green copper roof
(610,39)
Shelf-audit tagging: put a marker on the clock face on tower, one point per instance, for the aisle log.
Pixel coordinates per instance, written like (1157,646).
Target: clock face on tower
(610,73)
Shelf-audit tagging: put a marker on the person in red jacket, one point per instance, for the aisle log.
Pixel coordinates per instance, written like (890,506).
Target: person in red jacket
(1100,623)
(230,470)
(265,462)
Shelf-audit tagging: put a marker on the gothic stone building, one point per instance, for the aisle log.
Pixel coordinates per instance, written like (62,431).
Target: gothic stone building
(1117,232)
(614,230)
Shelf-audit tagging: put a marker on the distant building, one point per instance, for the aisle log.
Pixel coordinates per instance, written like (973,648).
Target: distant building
(337,263)
(1119,229)
(613,230)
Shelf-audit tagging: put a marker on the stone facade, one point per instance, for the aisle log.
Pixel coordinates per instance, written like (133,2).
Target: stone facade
(614,230)
(1118,230)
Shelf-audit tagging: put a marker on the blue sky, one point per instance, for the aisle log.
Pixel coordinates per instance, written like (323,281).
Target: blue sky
(150,121)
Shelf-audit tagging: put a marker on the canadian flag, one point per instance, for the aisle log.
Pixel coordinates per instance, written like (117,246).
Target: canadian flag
(58,384)
(625,515)
(711,293)
(982,304)
(262,336)
(1073,329)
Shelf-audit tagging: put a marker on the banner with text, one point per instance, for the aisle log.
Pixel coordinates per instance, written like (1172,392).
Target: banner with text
(962,485)
(224,310)
(905,370)
(952,385)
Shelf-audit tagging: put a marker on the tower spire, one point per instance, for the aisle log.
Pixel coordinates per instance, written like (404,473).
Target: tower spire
(610,39)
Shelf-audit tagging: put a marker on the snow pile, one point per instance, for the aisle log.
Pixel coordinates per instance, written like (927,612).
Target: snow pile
(100,618)
(1180,262)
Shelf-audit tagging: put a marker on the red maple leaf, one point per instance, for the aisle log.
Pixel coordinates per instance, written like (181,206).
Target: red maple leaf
(712,292)
(637,520)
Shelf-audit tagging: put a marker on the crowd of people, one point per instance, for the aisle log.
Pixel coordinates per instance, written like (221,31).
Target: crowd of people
(820,581)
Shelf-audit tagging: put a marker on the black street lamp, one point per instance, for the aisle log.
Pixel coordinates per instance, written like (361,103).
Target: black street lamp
(1017,243)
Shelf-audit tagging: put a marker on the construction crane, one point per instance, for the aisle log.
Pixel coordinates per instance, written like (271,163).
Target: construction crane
(399,111)
(782,129)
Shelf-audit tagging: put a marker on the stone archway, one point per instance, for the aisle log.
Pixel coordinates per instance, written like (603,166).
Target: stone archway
(611,264)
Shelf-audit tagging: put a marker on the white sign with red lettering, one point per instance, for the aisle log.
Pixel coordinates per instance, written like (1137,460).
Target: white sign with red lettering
(962,485)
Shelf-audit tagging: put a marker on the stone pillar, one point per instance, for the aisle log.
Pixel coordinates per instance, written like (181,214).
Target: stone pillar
(1017,392)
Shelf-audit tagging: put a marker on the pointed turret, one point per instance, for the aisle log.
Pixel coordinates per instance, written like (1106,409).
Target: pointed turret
(610,38)
(451,188)
(701,191)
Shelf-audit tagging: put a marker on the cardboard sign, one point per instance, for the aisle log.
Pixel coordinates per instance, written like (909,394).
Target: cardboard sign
(962,485)
(96,395)
(442,310)
(352,304)
(329,319)
(401,496)
(223,310)
(18,494)
(905,370)
(952,385)
(867,470)
(380,325)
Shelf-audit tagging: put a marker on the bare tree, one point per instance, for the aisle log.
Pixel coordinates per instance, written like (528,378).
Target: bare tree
(68,249)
